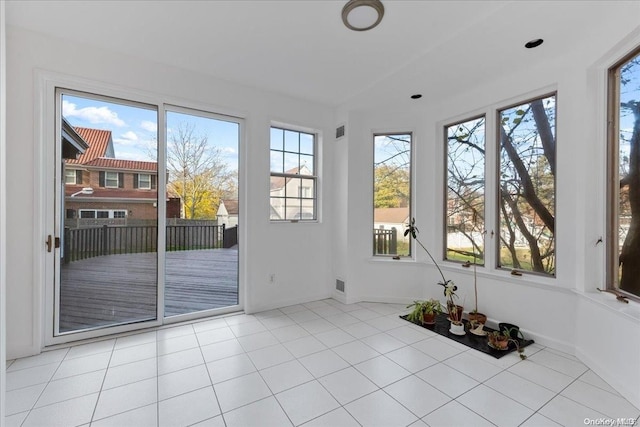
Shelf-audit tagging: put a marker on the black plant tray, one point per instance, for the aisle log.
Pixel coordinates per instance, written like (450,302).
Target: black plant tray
(476,342)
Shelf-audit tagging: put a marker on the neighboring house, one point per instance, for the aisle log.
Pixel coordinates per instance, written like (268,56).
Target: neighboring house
(228,213)
(121,189)
(389,218)
(296,195)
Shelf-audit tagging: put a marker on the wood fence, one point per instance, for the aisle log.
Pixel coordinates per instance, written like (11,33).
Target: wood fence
(83,243)
(385,241)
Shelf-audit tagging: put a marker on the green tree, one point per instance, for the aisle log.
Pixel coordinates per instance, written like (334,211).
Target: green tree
(391,186)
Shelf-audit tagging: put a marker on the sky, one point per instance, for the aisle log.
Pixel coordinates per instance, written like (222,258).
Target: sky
(134,128)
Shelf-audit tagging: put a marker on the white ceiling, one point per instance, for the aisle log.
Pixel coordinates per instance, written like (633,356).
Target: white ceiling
(302,49)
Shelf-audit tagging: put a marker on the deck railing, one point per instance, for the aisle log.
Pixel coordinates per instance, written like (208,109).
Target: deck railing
(385,241)
(83,243)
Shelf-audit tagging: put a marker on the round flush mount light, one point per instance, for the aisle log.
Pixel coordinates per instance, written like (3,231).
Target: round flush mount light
(416,96)
(362,15)
(533,43)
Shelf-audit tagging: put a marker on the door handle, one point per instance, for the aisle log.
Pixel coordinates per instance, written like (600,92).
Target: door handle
(52,242)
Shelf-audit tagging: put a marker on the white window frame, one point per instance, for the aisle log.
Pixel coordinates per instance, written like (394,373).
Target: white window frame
(492,165)
(67,175)
(147,183)
(107,179)
(281,201)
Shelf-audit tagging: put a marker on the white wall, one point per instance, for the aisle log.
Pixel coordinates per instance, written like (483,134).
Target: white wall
(3,212)
(296,253)
(548,309)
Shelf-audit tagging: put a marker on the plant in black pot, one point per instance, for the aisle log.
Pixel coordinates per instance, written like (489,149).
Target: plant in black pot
(455,311)
(425,312)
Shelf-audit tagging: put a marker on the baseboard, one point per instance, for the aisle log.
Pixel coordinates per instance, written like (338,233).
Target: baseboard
(633,396)
(302,300)
(22,351)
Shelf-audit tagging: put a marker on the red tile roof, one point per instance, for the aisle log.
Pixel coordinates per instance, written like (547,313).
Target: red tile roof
(105,162)
(391,215)
(98,141)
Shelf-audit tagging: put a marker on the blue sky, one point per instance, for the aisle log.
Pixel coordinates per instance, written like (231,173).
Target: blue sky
(134,129)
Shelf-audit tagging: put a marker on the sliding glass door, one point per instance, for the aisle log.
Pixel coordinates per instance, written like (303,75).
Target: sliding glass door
(144,225)
(202,212)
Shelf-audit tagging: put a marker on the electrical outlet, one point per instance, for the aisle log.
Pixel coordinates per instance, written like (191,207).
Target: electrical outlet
(272,278)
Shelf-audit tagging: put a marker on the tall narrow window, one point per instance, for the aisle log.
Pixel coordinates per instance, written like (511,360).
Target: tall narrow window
(391,194)
(527,135)
(465,191)
(624,173)
(293,175)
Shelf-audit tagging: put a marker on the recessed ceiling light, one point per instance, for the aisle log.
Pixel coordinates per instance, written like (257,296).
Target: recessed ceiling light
(533,43)
(362,15)
(416,96)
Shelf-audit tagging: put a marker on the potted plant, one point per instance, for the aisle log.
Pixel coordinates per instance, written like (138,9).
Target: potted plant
(500,340)
(424,311)
(455,311)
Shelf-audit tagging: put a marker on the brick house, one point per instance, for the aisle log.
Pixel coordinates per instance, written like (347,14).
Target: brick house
(122,190)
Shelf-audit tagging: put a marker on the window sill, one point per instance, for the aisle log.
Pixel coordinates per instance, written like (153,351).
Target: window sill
(608,301)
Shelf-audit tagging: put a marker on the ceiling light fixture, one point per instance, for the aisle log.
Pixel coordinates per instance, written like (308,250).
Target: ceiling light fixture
(362,15)
(533,43)
(416,96)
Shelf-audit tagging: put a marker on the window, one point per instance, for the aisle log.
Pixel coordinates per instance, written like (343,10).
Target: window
(293,179)
(623,241)
(102,213)
(464,204)
(527,168)
(85,213)
(111,179)
(391,194)
(144,181)
(71,176)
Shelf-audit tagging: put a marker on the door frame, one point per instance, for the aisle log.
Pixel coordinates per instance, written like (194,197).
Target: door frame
(44,198)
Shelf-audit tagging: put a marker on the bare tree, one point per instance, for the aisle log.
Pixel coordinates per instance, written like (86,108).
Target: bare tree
(197,172)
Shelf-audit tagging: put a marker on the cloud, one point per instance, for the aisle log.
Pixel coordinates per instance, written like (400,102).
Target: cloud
(131,136)
(228,150)
(92,114)
(149,126)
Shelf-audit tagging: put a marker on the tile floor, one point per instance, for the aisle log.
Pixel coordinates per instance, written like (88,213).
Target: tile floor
(317,364)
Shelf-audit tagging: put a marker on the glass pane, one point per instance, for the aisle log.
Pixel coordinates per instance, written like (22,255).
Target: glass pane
(202,233)
(527,186)
(465,191)
(277,161)
(392,194)
(277,211)
(277,139)
(307,189)
(291,141)
(293,209)
(306,165)
(306,143)
(108,265)
(628,217)
(291,163)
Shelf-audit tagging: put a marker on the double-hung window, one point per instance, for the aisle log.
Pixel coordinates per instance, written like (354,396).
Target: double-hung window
(293,179)
(144,181)
(111,179)
(623,241)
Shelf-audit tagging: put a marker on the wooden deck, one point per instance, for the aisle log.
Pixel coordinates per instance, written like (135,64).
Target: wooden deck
(116,289)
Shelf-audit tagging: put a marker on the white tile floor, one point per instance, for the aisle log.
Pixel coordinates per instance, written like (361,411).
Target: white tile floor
(317,364)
